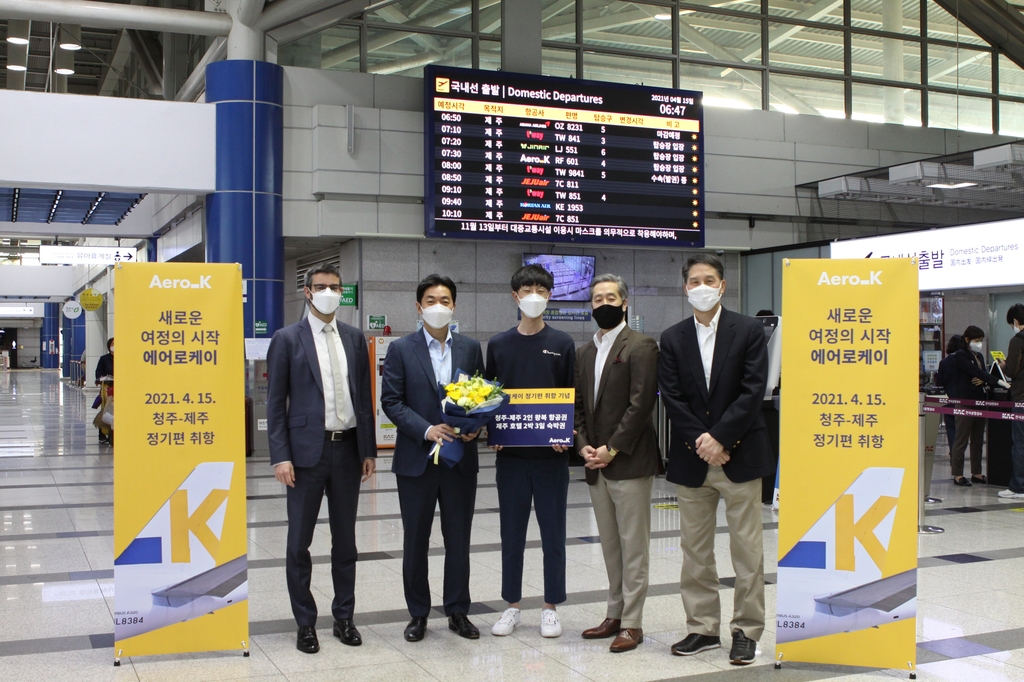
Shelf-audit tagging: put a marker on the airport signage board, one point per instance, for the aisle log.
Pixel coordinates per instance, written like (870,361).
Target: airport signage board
(847,580)
(985,255)
(86,255)
(179,468)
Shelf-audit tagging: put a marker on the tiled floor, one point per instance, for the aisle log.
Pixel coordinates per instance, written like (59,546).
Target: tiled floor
(56,580)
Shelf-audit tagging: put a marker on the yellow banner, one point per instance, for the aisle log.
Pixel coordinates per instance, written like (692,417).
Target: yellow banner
(180,582)
(537,396)
(847,583)
(468,106)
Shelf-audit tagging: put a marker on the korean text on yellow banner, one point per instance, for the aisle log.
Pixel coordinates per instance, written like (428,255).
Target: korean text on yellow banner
(847,586)
(180,581)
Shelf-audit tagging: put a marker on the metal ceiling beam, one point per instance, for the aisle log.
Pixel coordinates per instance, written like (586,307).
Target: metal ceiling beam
(195,84)
(281,12)
(149,54)
(111,15)
(995,21)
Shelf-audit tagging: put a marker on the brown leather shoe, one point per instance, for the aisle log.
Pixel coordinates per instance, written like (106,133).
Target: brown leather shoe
(628,639)
(609,628)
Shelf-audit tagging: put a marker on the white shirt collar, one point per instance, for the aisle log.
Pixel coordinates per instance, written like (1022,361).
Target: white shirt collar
(429,338)
(321,326)
(609,335)
(714,322)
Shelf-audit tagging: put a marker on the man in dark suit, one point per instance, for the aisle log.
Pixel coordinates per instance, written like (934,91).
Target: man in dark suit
(413,368)
(616,390)
(712,374)
(322,439)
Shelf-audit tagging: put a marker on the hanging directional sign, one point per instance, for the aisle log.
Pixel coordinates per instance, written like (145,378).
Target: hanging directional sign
(86,255)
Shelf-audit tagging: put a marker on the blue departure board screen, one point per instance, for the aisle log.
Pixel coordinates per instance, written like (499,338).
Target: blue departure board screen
(516,156)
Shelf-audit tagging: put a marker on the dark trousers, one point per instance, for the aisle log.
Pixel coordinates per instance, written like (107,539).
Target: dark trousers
(950,430)
(967,429)
(337,475)
(545,483)
(1017,455)
(455,491)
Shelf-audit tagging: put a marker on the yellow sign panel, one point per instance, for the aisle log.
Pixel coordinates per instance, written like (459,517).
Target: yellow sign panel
(90,299)
(179,467)
(847,582)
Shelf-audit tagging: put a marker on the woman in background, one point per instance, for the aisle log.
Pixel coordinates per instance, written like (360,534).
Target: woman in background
(945,378)
(105,380)
(969,382)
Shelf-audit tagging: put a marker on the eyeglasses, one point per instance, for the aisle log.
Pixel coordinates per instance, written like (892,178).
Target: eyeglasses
(317,288)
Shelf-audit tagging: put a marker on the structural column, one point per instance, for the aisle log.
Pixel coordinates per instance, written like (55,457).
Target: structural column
(50,334)
(243,216)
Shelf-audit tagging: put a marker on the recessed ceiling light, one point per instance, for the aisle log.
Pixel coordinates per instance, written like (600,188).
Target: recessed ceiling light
(953,185)
(15,67)
(70,37)
(663,16)
(18,31)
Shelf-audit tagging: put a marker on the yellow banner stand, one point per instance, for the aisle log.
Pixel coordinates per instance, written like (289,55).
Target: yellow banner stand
(180,581)
(847,586)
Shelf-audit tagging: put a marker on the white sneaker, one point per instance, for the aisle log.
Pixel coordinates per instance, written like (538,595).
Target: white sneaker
(1007,493)
(550,626)
(508,622)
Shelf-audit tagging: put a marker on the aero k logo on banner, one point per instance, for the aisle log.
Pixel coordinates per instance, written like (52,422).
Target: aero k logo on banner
(835,571)
(169,574)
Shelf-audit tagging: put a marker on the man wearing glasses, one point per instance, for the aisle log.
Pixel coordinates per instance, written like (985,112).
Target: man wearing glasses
(322,442)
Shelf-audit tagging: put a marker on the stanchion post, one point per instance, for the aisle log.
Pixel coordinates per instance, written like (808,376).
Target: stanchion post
(923,473)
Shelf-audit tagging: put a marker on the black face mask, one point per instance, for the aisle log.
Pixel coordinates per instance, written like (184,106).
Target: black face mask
(608,316)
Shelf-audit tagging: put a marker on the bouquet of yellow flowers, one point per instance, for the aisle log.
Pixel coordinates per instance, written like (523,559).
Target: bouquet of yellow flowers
(466,405)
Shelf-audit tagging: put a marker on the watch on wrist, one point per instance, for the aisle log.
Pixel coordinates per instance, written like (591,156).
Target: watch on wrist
(612,452)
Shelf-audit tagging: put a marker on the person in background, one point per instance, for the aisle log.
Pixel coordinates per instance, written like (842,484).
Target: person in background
(414,366)
(969,383)
(616,391)
(945,377)
(105,380)
(1014,371)
(532,355)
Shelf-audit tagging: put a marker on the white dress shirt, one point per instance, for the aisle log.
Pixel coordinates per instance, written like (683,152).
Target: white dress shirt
(706,336)
(604,340)
(441,359)
(332,421)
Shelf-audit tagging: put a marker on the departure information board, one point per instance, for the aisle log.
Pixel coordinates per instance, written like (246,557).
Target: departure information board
(516,156)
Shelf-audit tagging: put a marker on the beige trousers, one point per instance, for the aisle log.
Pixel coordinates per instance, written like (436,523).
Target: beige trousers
(623,512)
(698,581)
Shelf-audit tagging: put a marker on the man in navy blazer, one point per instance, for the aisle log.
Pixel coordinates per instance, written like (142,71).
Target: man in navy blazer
(322,440)
(413,368)
(712,373)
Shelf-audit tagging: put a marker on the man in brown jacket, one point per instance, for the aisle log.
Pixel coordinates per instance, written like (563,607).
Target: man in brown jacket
(616,390)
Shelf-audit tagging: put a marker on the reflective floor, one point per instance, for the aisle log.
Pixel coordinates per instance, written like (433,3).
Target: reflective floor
(56,579)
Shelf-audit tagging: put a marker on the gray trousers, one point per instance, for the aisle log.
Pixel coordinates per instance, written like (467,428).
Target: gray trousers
(623,513)
(698,580)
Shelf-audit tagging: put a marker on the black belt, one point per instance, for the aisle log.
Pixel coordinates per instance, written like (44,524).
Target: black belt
(340,435)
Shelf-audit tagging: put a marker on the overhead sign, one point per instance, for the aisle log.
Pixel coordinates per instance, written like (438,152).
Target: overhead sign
(179,495)
(90,299)
(72,310)
(20,311)
(847,580)
(86,255)
(986,255)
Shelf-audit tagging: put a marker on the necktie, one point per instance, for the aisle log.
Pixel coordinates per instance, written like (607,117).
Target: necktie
(341,399)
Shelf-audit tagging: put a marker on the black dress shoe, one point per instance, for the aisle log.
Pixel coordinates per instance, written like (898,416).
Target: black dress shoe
(694,644)
(307,642)
(416,629)
(743,649)
(345,630)
(962,481)
(458,622)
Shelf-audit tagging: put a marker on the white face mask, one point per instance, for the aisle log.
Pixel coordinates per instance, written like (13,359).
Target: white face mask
(111,350)
(976,346)
(703,297)
(533,306)
(1016,330)
(437,316)
(326,301)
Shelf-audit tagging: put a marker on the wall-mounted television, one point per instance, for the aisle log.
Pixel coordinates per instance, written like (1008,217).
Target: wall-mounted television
(572,274)
(537,158)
